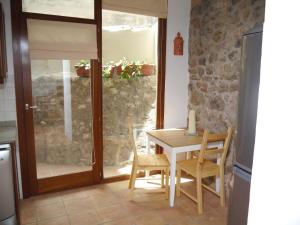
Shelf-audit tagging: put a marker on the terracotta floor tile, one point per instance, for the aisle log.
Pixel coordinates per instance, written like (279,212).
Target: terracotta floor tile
(134,208)
(98,190)
(63,220)
(28,215)
(50,211)
(103,201)
(73,195)
(25,204)
(150,219)
(86,218)
(109,204)
(41,200)
(146,196)
(153,205)
(124,221)
(78,206)
(113,212)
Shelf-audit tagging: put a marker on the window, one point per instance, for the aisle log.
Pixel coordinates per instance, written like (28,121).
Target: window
(129,51)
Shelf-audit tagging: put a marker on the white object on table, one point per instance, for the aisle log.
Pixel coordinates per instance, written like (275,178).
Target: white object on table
(174,141)
(192,122)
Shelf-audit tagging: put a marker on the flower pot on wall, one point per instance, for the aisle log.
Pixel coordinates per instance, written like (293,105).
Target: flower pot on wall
(119,69)
(115,70)
(148,69)
(82,71)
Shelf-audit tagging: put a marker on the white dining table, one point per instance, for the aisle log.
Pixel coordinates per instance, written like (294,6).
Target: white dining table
(174,141)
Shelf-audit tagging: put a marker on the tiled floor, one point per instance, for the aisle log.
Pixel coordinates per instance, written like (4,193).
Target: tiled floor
(111,204)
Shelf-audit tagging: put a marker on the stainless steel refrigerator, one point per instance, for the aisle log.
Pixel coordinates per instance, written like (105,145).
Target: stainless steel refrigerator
(247,111)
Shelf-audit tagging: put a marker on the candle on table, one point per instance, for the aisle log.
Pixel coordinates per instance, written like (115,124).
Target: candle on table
(192,122)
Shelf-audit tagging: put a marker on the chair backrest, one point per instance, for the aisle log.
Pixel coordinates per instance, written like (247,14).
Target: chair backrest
(207,137)
(204,143)
(131,137)
(226,145)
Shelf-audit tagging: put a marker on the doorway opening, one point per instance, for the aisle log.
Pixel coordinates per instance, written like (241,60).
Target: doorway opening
(70,121)
(129,86)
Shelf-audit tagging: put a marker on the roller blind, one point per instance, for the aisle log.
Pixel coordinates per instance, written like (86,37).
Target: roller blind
(61,40)
(156,8)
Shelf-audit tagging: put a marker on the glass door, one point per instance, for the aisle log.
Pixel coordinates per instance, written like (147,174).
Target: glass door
(60,104)
(62,117)
(75,121)
(129,86)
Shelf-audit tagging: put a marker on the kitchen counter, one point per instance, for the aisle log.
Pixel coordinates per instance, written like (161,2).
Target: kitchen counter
(7,132)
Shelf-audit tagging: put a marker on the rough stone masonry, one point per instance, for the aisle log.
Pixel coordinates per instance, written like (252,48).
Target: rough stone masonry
(215,39)
(121,98)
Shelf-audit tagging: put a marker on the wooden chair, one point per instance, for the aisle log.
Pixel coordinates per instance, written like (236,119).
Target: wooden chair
(148,162)
(201,167)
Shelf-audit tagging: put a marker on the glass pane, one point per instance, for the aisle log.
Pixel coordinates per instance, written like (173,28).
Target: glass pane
(129,86)
(71,8)
(62,118)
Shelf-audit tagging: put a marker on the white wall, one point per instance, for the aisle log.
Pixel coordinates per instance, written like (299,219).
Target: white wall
(7,91)
(176,87)
(275,197)
(117,45)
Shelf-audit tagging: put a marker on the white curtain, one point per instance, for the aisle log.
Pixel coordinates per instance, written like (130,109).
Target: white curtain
(61,40)
(155,8)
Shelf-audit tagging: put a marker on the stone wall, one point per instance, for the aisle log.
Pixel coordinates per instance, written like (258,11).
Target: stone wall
(56,141)
(59,143)
(216,28)
(122,99)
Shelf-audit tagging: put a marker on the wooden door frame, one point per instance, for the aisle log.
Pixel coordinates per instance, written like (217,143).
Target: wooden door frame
(19,37)
(67,181)
(162,50)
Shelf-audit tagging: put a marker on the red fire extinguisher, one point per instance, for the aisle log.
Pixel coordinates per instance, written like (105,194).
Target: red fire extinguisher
(178,44)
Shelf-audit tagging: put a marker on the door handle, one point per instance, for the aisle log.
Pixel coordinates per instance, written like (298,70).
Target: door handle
(27,107)
(94,157)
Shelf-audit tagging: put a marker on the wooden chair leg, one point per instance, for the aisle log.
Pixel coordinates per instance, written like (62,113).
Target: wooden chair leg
(222,188)
(162,179)
(134,171)
(199,195)
(178,178)
(131,175)
(147,173)
(167,182)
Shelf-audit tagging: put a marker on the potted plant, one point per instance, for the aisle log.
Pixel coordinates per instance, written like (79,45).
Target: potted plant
(131,71)
(108,70)
(148,69)
(128,70)
(83,68)
(125,70)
